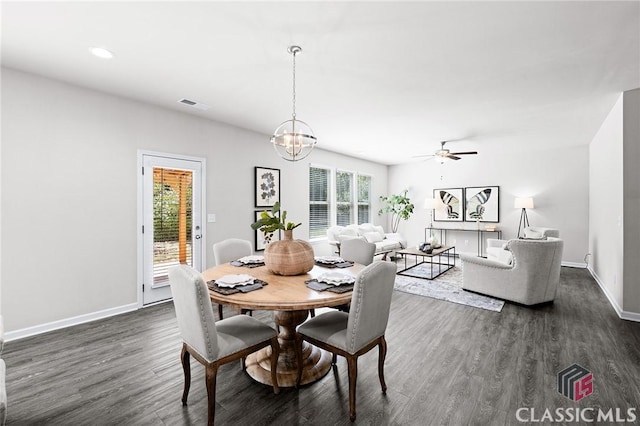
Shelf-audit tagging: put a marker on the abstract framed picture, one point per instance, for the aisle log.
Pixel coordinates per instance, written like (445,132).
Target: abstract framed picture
(482,204)
(267,189)
(261,240)
(452,209)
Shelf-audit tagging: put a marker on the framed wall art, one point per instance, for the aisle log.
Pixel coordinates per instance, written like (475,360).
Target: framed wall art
(482,204)
(267,188)
(453,200)
(261,240)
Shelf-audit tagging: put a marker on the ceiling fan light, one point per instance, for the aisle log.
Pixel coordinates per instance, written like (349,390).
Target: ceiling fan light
(441,159)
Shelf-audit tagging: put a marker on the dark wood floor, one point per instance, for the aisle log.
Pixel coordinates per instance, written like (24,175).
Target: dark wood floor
(447,364)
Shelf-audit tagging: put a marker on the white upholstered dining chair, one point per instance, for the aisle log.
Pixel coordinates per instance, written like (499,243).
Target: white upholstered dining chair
(227,251)
(357,332)
(231,249)
(357,250)
(214,343)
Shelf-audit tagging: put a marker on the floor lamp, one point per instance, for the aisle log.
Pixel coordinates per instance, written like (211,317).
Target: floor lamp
(430,204)
(523,203)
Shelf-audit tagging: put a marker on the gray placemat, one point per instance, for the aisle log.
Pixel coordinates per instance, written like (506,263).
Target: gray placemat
(246,265)
(346,264)
(257,285)
(318,286)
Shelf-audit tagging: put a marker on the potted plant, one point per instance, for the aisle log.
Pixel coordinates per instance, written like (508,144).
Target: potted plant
(273,221)
(288,256)
(400,207)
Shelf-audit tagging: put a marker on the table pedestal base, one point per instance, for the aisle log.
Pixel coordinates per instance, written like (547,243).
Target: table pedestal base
(316,362)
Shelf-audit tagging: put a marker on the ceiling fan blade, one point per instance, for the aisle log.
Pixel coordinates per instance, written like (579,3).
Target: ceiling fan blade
(464,153)
(423,156)
(452,157)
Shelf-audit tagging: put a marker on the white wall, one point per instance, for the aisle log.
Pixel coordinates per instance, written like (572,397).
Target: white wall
(69,192)
(606,204)
(557,180)
(631,160)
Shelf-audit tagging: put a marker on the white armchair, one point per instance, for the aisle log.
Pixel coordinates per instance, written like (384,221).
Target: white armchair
(496,248)
(532,277)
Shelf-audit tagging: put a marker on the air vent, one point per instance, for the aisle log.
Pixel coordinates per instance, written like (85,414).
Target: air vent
(194,104)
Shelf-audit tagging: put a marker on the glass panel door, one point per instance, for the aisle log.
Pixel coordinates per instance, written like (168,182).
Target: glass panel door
(171,210)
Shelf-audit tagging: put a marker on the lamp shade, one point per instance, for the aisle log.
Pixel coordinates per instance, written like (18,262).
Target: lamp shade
(430,203)
(523,203)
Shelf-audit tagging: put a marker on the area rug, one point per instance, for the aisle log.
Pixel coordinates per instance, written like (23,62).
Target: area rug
(447,286)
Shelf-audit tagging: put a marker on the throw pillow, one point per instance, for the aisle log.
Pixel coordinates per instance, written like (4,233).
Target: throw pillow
(365,228)
(380,230)
(373,237)
(533,235)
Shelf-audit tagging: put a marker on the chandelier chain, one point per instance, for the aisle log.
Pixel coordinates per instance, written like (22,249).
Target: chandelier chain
(294,85)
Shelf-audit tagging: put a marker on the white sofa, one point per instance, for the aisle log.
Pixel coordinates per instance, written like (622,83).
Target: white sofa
(385,242)
(497,249)
(532,277)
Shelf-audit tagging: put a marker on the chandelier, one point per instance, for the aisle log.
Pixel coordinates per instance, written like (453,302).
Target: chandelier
(293,140)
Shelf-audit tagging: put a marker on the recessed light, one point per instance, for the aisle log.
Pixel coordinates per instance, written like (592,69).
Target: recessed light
(101,52)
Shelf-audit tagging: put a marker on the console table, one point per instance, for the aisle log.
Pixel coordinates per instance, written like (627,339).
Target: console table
(480,233)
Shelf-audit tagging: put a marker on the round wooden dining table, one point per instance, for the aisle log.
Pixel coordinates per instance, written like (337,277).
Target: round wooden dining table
(291,300)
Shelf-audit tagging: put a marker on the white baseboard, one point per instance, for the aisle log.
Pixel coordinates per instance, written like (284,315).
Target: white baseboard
(68,322)
(574,264)
(629,316)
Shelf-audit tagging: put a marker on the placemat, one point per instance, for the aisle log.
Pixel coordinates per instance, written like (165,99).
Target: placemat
(257,285)
(246,265)
(318,286)
(346,264)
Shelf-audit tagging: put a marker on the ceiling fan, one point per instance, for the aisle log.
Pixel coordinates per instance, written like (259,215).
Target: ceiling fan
(444,154)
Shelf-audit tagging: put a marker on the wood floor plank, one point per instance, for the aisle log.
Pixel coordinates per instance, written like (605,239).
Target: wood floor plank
(446,364)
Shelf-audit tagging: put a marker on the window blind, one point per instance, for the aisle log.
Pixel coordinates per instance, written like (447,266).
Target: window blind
(318,202)
(172,220)
(344,198)
(364,199)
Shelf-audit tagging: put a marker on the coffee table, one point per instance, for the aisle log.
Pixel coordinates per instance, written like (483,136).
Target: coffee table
(436,266)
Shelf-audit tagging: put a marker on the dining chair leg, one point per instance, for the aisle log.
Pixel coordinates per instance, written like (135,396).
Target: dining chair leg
(211,373)
(352,363)
(382,354)
(298,343)
(334,359)
(220,311)
(275,352)
(186,367)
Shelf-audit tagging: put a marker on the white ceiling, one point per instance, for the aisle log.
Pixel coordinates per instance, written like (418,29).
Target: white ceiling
(378,80)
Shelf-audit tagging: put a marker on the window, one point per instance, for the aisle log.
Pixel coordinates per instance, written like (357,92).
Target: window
(344,198)
(318,201)
(337,197)
(364,199)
